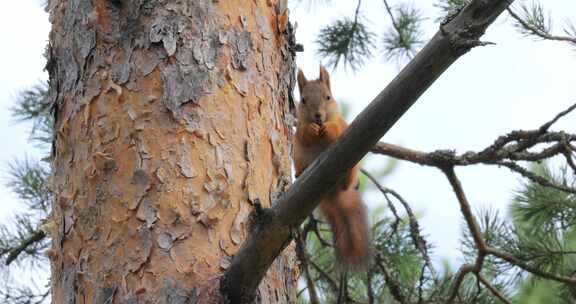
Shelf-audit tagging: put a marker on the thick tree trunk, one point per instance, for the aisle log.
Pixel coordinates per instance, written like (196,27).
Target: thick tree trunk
(172,120)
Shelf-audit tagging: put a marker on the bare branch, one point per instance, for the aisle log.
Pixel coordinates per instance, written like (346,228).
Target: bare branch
(392,18)
(547,125)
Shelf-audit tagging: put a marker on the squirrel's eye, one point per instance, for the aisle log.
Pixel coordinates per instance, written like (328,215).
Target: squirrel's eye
(303,101)
(327,97)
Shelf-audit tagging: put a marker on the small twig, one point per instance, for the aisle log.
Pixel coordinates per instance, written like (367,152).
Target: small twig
(343,288)
(356,16)
(369,286)
(417,239)
(385,193)
(303,257)
(547,125)
(534,177)
(492,289)
(466,209)
(312,225)
(538,32)
(391,14)
(327,277)
(357,12)
(473,227)
(16,251)
(393,285)
(330,280)
(462,272)
(519,263)
(568,150)
(421,282)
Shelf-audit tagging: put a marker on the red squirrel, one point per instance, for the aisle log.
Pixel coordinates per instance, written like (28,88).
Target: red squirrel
(320,123)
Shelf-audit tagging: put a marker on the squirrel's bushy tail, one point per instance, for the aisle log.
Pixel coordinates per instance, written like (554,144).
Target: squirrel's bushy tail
(346,214)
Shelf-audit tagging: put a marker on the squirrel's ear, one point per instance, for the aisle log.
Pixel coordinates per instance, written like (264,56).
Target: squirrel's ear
(301,80)
(324,76)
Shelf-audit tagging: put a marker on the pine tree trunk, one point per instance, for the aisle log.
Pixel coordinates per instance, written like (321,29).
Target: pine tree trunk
(172,120)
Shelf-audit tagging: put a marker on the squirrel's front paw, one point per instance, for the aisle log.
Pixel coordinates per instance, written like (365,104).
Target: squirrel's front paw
(322,130)
(316,129)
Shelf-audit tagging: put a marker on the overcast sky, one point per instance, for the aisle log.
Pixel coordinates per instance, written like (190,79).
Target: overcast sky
(515,84)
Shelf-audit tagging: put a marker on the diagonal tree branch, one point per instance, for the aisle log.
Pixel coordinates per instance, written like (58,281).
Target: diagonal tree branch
(274,228)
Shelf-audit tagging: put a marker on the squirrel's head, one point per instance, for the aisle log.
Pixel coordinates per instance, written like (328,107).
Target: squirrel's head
(316,101)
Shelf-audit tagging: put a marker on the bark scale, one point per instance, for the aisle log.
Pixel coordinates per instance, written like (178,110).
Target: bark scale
(172,119)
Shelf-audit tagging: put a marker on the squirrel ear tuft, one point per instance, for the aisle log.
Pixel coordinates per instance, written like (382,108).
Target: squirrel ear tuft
(301,80)
(324,76)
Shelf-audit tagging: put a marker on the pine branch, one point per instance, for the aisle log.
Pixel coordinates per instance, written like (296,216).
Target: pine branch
(33,105)
(483,249)
(28,180)
(13,253)
(346,40)
(533,22)
(405,37)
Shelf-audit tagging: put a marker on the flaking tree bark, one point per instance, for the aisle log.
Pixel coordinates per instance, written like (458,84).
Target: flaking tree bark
(172,121)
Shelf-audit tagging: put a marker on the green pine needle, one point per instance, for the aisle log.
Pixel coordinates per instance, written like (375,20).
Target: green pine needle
(403,40)
(347,41)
